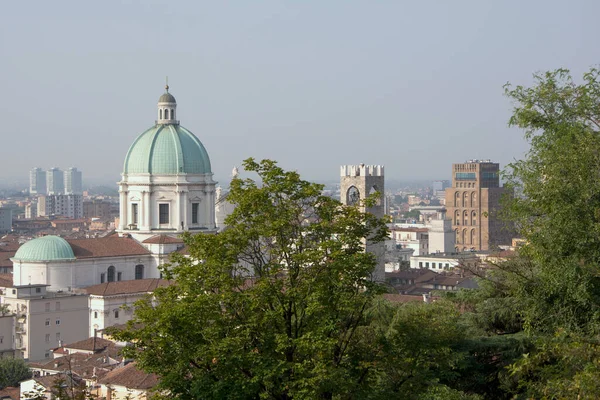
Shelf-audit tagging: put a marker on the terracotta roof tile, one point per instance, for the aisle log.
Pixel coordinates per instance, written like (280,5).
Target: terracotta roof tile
(13,393)
(126,287)
(106,247)
(6,280)
(89,345)
(403,298)
(184,250)
(162,239)
(5,257)
(83,365)
(130,377)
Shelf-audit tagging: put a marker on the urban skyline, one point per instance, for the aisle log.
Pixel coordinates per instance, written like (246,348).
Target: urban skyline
(411,86)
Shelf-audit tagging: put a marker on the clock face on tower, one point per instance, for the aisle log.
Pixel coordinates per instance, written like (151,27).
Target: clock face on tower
(353,196)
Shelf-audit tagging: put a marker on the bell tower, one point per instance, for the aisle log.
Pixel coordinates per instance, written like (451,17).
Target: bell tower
(357,182)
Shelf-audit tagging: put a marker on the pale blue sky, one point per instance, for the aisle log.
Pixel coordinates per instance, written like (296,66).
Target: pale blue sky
(413,85)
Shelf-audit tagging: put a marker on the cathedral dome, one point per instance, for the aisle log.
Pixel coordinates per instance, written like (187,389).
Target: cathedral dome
(167,149)
(46,248)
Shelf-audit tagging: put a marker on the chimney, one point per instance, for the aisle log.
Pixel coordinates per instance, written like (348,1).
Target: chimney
(94,343)
(426,298)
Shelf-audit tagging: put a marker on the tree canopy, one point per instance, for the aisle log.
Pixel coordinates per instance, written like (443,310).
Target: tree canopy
(13,371)
(272,305)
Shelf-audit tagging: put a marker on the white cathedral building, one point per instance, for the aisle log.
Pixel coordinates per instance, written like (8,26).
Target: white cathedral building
(166,189)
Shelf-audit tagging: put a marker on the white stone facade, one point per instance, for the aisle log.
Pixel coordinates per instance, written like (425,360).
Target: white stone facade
(67,275)
(142,194)
(442,238)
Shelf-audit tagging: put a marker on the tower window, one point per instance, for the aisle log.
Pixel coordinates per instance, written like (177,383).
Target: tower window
(119,276)
(172,114)
(134,213)
(102,277)
(111,274)
(163,213)
(166,114)
(160,114)
(195,213)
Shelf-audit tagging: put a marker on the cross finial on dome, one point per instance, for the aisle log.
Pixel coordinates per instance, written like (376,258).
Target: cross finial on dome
(167,85)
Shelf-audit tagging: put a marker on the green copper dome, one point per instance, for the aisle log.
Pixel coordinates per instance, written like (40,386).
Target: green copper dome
(46,248)
(167,149)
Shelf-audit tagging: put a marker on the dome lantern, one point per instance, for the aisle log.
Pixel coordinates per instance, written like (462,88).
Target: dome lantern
(167,108)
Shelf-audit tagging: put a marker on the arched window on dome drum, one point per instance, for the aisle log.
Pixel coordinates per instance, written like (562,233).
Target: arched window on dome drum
(139,271)
(160,114)
(172,113)
(110,274)
(166,114)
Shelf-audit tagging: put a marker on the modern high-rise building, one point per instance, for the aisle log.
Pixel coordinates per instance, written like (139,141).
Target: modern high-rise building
(473,203)
(73,183)
(37,181)
(357,182)
(55,181)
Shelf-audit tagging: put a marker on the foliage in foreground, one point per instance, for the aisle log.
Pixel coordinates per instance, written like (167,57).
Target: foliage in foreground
(272,305)
(13,371)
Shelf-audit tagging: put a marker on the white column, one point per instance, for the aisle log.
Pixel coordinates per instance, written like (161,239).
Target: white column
(178,211)
(146,210)
(207,206)
(211,203)
(123,209)
(185,211)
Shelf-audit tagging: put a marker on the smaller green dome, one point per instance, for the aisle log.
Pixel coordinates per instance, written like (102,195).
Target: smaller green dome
(167,98)
(46,248)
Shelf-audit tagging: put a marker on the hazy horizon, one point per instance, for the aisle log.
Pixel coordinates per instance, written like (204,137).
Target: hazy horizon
(415,86)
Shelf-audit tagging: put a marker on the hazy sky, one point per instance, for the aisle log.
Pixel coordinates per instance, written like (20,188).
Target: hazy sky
(413,85)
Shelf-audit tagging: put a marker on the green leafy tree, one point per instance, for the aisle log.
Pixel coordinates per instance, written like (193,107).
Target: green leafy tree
(557,210)
(273,306)
(551,291)
(13,371)
(418,348)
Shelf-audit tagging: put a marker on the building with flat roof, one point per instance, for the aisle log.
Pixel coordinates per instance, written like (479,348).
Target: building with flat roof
(55,181)
(45,319)
(473,204)
(37,181)
(73,183)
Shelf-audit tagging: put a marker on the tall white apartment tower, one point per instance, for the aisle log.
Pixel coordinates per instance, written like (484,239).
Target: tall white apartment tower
(55,181)
(357,182)
(73,183)
(37,181)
